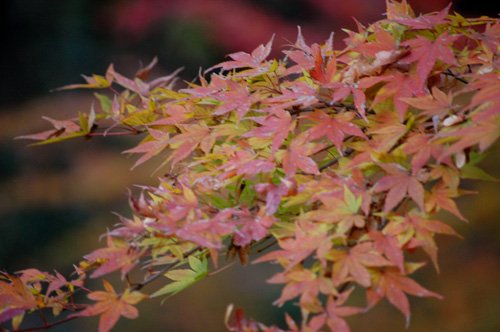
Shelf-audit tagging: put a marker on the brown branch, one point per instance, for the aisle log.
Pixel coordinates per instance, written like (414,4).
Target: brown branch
(335,160)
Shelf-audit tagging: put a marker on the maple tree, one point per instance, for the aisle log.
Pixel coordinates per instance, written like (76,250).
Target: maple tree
(340,157)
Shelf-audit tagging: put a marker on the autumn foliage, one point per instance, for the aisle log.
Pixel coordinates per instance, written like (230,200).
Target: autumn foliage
(341,157)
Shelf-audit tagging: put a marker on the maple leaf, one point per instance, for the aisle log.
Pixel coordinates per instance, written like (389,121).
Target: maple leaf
(245,162)
(436,104)
(15,297)
(421,22)
(399,184)
(352,263)
(183,278)
(399,86)
(245,60)
(208,232)
(252,227)
(384,41)
(295,94)
(155,143)
(275,126)
(296,157)
(420,146)
(386,131)
(336,309)
(62,130)
(113,258)
(420,230)
(111,306)
(193,136)
(340,211)
(309,238)
(237,97)
(217,84)
(426,52)
(393,284)
(343,90)
(441,195)
(484,133)
(176,114)
(388,243)
(275,192)
(334,127)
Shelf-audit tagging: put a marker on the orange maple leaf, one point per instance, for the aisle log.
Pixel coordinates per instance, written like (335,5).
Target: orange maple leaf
(111,306)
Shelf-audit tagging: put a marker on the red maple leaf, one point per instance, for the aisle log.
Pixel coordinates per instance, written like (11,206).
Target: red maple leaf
(296,93)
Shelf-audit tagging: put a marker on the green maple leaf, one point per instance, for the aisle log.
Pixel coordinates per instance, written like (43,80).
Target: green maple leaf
(183,278)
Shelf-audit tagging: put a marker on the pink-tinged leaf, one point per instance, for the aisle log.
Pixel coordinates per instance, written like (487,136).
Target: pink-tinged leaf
(237,97)
(422,22)
(296,157)
(441,196)
(275,192)
(392,284)
(336,310)
(334,127)
(424,230)
(15,297)
(436,104)
(176,114)
(343,90)
(295,94)
(256,166)
(399,184)
(253,227)
(115,258)
(399,86)
(275,126)
(484,134)
(156,143)
(245,60)
(426,52)
(111,306)
(352,263)
(387,243)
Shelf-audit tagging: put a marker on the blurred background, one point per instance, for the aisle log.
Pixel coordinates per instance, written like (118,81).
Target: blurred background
(55,201)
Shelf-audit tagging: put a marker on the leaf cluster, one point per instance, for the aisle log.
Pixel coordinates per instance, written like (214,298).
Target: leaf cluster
(341,157)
